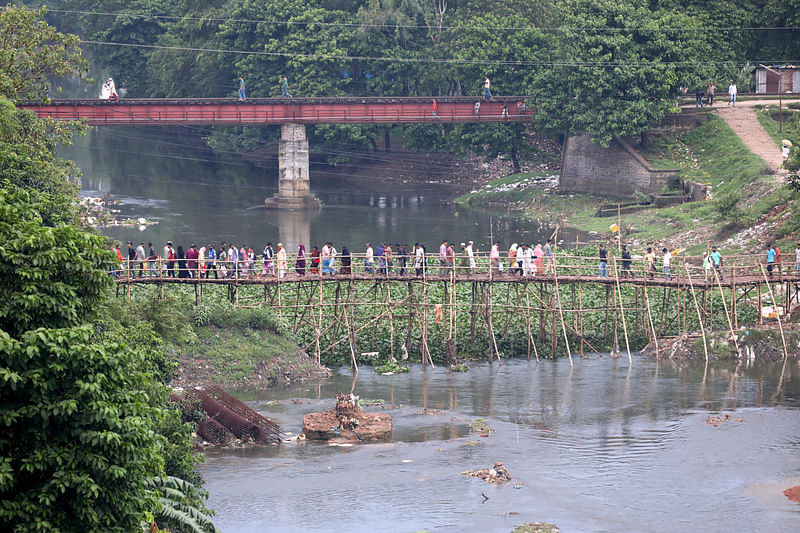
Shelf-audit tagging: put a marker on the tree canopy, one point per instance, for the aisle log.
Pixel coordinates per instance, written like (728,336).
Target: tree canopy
(607,68)
(32,53)
(84,430)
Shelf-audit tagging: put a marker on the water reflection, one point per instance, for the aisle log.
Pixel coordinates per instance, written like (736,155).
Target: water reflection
(169,175)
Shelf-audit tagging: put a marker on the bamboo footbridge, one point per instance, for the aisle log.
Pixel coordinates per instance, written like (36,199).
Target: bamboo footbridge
(561,307)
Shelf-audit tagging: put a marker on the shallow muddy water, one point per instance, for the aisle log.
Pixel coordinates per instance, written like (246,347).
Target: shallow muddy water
(597,447)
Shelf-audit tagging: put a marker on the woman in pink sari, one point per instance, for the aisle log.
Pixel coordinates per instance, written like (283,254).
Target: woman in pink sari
(538,259)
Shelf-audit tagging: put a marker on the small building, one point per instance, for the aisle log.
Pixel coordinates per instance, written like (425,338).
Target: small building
(769,81)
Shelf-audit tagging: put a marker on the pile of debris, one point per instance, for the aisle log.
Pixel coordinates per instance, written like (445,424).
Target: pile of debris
(228,421)
(347,423)
(496,475)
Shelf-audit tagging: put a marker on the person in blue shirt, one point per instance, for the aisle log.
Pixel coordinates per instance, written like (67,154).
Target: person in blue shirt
(716,258)
(770,259)
(211,264)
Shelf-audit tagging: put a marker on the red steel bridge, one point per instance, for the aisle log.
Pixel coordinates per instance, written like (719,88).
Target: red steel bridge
(350,110)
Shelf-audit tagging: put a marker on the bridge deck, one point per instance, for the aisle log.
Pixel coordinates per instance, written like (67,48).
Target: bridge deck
(360,110)
(658,280)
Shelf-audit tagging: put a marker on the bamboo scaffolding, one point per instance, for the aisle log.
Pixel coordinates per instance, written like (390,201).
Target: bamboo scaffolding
(777,313)
(697,308)
(560,312)
(728,316)
(315,310)
(622,310)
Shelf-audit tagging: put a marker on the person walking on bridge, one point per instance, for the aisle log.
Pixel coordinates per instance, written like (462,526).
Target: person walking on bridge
(602,269)
(650,262)
(716,259)
(494,258)
(300,262)
(796,260)
(285,87)
(242,95)
(280,259)
(369,260)
(667,262)
(451,257)
(443,257)
(487,88)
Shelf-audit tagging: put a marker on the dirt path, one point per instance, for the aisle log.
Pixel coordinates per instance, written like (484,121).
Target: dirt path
(743,120)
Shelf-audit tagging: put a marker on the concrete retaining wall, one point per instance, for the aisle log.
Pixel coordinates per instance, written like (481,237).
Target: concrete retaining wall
(616,171)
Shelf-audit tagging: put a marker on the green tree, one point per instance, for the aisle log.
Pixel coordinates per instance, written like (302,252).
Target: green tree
(28,160)
(77,444)
(621,65)
(32,52)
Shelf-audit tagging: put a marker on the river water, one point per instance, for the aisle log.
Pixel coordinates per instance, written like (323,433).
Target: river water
(597,447)
(171,177)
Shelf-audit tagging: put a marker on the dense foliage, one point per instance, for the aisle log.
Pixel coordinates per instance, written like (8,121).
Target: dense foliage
(84,430)
(32,52)
(608,68)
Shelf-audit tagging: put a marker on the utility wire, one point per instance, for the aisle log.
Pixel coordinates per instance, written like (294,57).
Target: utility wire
(610,29)
(613,64)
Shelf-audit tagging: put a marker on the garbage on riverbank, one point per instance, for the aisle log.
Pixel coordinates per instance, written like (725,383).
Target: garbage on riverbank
(347,423)
(496,475)
(97,211)
(762,343)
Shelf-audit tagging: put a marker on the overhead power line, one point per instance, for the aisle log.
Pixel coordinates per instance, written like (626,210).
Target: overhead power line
(521,63)
(609,29)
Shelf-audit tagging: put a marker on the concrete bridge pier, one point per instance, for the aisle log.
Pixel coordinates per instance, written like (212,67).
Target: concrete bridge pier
(293,183)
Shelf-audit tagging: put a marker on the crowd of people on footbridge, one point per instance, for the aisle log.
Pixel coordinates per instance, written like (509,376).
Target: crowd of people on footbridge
(400,260)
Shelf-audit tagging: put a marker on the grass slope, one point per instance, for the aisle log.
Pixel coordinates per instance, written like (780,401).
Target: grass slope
(711,153)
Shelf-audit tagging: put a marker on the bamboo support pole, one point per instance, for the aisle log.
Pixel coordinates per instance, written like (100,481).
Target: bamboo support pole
(353,361)
(391,320)
(560,312)
(697,308)
(777,313)
(727,315)
(622,310)
(650,319)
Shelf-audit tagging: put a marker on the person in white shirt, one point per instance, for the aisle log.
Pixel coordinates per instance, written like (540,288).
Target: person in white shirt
(333,253)
(112,90)
(419,259)
(732,93)
(280,259)
(471,256)
(667,260)
(443,257)
(494,257)
(797,260)
(525,256)
(369,260)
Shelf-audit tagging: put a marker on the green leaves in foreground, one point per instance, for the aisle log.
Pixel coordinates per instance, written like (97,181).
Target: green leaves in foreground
(77,442)
(49,276)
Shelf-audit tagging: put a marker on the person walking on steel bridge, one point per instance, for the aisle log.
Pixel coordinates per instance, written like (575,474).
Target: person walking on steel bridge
(487,88)
(285,87)
(242,95)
